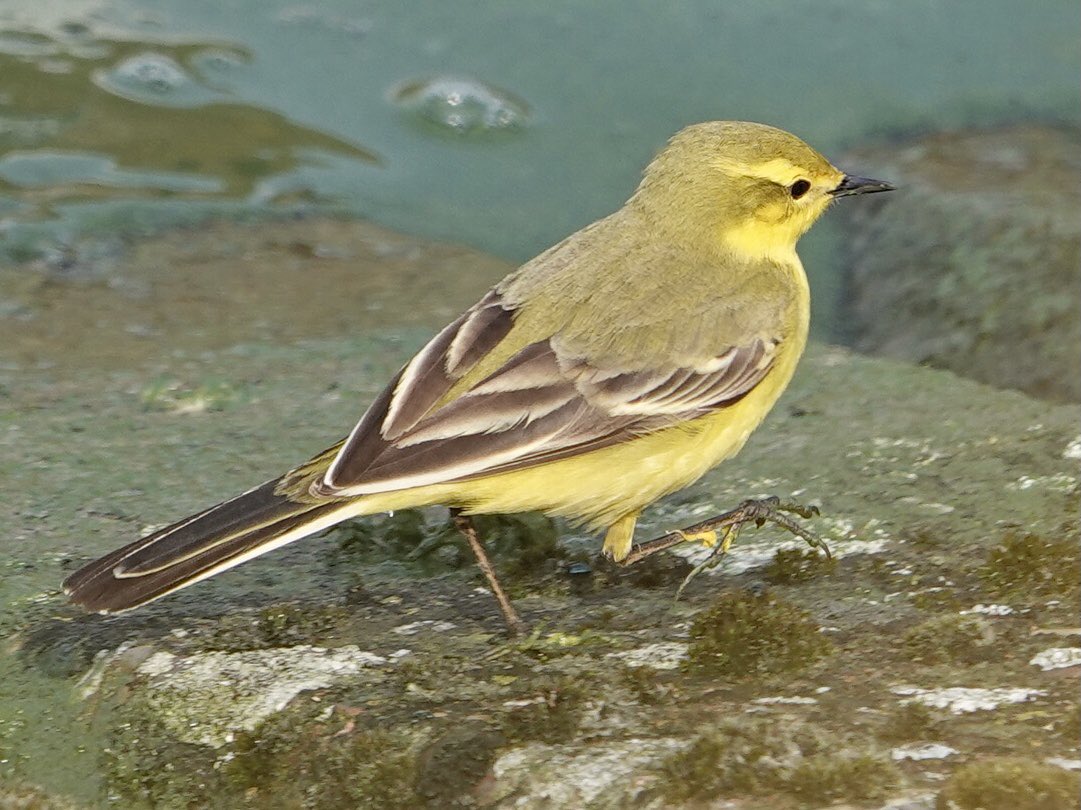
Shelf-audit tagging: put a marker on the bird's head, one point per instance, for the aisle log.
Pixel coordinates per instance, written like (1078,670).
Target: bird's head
(753,187)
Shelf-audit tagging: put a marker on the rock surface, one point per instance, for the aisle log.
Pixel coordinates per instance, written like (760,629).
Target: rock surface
(975,264)
(376,672)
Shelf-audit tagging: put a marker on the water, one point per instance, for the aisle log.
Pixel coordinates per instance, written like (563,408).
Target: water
(503,126)
(252,104)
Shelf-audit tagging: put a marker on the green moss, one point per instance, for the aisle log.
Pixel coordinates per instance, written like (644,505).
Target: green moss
(792,565)
(746,635)
(949,639)
(758,756)
(1007,783)
(832,778)
(908,722)
(145,768)
(544,646)
(278,767)
(938,599)
(1028,566)
(732,759)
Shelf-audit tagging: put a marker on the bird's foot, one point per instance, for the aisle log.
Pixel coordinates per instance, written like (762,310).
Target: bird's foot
(720,532)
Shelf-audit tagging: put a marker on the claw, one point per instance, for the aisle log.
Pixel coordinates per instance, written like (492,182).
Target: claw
(728,526)
(713,560)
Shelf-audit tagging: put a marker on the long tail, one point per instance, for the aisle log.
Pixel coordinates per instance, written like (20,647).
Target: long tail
(199,547)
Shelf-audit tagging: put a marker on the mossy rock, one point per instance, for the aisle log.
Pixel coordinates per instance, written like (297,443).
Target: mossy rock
(949,639)
(551,711)
(908,722)
(933,275)
(1007,783)
(734,758)
(1030,566)
(745,635)
(277,767)
(756,757)
(793,565)
(834,777)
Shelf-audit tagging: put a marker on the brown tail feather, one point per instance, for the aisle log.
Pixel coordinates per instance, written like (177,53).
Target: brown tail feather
(195,548)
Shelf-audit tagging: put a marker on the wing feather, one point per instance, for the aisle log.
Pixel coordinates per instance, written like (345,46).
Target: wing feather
(420,384)
(545,402)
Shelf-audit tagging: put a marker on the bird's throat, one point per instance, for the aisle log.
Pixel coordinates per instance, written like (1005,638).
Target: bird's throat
(756,240)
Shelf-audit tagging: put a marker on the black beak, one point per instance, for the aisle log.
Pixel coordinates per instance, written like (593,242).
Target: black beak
(860,185)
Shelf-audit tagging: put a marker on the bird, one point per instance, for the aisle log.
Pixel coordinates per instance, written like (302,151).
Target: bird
(612,369)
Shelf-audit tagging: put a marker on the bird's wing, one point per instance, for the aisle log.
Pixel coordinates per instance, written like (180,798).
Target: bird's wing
(546,401)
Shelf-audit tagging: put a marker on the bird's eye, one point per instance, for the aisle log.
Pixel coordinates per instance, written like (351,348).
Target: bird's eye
(799,188)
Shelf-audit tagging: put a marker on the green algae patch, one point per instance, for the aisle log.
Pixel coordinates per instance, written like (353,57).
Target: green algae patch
(174,396)
(1029,566)
(1010,783)
(744,635)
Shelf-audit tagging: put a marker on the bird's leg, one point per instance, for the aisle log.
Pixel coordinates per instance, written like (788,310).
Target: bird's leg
(464,524)
(721,531)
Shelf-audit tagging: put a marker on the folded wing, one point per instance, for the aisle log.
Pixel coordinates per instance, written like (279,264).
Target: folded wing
(547,401)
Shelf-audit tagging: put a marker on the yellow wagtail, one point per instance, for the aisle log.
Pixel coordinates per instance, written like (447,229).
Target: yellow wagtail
(614,368)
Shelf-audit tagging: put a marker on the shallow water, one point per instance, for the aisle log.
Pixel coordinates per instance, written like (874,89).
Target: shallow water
(140,112)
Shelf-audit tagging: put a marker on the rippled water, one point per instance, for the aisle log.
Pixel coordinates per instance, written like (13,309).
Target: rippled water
(504,126)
